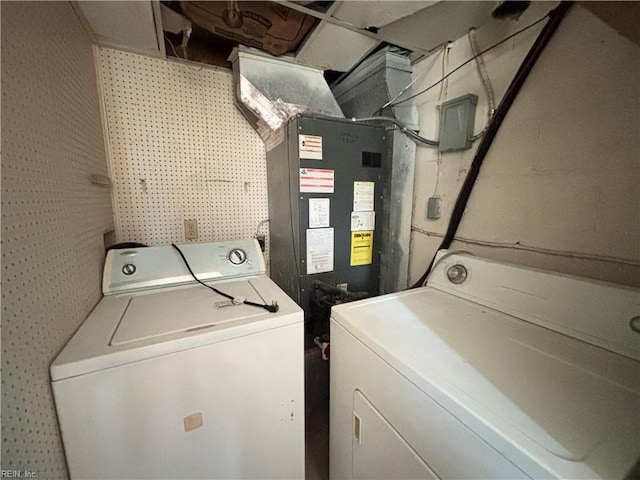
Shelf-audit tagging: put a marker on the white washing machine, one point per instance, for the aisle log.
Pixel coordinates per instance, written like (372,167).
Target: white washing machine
(490,371)
(168,379)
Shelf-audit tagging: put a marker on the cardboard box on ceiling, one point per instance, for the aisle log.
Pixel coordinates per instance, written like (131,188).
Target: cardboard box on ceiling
(273,28)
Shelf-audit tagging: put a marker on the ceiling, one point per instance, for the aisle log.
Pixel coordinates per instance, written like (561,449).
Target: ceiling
(334,36)
(330,35)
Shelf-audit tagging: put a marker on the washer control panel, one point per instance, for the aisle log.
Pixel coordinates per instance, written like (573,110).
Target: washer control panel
(134,269)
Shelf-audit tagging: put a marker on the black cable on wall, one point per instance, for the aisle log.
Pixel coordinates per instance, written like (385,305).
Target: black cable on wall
(555,18)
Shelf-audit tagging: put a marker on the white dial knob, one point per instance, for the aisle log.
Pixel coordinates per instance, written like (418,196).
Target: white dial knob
(237,256)
(129,269)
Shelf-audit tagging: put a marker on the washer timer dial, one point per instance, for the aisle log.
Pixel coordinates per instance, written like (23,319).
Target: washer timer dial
(237,256)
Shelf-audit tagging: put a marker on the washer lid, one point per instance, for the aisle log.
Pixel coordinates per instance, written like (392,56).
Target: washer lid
(125,329)
(162,313)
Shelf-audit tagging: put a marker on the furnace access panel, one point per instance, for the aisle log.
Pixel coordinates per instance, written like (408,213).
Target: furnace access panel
(325,205)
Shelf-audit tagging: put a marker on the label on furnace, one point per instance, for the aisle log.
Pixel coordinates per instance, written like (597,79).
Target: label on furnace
(310,147)
(320,250)
(361,248)
(316,180)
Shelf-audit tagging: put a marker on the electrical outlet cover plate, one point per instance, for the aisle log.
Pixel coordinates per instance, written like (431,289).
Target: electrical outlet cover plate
(191,229)
(433,208)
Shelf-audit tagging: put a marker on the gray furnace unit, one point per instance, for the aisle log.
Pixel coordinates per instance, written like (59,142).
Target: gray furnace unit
(325,184)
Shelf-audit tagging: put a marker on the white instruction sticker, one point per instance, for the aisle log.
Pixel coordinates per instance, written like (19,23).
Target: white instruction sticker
(316,180)
(319,210)
(363,221)
(310,147)
(363,199)
(319,250)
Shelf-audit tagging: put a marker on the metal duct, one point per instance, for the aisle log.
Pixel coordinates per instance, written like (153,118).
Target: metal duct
(271,90)
(379,79)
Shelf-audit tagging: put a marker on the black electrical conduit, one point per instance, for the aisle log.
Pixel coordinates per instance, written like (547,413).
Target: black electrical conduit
(555,17)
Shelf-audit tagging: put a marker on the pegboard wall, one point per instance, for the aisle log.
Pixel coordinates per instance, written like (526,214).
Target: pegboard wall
(53,218)
(179,149)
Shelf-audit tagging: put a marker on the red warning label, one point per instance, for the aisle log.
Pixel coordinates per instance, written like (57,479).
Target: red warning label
(316,180)
(310,147)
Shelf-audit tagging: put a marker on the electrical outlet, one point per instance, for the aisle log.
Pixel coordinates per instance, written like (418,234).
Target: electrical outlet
(433,208)
(191,229)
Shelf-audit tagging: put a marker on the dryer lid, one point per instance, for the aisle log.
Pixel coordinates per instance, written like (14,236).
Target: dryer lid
(522,381)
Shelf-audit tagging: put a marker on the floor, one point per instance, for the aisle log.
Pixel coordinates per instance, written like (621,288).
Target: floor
(317,450)
(317,415)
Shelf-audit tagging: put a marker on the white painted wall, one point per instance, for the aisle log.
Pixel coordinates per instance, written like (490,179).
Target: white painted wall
(560,186)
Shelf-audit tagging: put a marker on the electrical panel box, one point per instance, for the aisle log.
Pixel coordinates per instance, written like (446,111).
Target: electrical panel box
(325,187)
(457,118)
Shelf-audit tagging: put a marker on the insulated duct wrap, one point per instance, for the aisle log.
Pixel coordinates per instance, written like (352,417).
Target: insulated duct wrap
(269,91)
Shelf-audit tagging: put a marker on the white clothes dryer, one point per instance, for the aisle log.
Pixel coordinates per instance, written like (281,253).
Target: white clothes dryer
(490,371)
(167,379)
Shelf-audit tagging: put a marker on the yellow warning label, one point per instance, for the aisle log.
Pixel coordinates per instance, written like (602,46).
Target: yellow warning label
(361,248)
